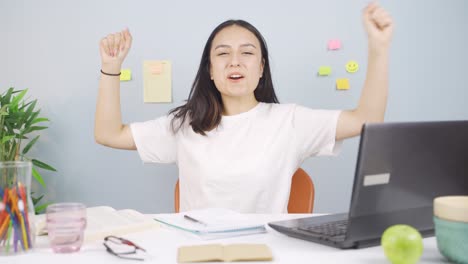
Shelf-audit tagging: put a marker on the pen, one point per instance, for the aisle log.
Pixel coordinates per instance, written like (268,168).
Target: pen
(194,220)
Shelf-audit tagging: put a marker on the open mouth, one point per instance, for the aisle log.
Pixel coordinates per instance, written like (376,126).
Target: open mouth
(235,77)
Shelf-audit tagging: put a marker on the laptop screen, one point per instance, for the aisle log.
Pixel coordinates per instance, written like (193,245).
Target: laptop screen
(402,167)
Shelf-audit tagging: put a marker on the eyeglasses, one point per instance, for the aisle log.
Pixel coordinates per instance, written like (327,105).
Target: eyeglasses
(122,248)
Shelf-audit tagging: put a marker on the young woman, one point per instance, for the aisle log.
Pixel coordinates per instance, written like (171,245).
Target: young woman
(235,146)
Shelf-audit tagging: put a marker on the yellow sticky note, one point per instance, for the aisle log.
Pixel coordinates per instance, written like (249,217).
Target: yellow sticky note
(125,75)
(324,70)
(342,84)
(157,81)
(352,66)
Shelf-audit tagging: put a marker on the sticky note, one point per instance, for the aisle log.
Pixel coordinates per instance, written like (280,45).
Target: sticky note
(324,70)
(352,66)
(334,44)
(156,68)
(157,81)
(342,84)
(125,75)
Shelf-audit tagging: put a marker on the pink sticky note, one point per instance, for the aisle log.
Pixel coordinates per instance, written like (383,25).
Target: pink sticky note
(156,68)
(334,44)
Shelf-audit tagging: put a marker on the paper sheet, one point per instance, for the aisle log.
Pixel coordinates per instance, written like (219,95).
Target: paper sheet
(157,81)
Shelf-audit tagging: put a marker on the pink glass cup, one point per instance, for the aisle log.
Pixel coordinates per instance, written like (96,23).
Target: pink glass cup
(66,223)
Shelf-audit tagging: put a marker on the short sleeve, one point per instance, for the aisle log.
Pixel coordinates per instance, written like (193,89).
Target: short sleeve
(315,132)
(155,140)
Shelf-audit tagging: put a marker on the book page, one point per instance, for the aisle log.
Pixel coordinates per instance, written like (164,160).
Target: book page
(218,252)
(201,253)
(244,252)
(104,220)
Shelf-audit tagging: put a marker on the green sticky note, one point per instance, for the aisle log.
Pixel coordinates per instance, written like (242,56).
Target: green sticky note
(324,70)
(125,75)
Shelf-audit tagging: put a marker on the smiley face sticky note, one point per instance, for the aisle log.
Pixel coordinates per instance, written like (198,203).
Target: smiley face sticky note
(157,81)
(324,71)
(342,84)
(334,44)
(352,66)
(125,75)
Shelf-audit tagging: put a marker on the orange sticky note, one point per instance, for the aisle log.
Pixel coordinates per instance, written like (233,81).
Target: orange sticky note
(342,84)
(156,68)
(334,44)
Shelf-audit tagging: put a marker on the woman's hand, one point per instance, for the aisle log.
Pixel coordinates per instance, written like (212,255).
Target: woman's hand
(114,48)
(379,27)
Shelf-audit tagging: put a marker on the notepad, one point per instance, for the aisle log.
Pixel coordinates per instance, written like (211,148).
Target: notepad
(157,81)
(218,252)
(217,223)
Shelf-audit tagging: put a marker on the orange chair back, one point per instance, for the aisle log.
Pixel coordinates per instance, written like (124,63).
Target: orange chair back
(301,197)
(176,197)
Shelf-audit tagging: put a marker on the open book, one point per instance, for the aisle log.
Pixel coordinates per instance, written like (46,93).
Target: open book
(104,220)
(213,223)
(218,252)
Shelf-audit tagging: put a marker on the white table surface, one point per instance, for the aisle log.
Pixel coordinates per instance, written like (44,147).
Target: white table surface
(162,244)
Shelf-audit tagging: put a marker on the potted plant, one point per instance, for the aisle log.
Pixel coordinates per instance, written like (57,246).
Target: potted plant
(18,120)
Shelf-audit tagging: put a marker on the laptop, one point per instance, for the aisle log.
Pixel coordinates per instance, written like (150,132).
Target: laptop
(401,167)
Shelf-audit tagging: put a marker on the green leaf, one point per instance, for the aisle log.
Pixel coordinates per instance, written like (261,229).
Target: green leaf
(38,177)
(40,209)
(31,119)
(40,119)
(3,110)
(29,111)
(6,99)
(29,145)
(14,103)
(7,138)
(24,105)
(33,128)
(37,200)
(43,165)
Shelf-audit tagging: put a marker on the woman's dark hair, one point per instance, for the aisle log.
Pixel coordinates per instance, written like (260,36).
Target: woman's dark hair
(204,106)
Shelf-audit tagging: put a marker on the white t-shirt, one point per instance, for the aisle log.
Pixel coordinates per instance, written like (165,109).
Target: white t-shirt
(247,162)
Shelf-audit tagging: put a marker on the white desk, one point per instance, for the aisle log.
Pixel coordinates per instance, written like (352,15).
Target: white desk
(162,245)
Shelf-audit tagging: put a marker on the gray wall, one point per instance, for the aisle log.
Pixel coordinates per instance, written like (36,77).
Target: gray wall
(51,47)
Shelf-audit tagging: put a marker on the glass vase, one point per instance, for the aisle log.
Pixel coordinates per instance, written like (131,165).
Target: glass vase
(17,232)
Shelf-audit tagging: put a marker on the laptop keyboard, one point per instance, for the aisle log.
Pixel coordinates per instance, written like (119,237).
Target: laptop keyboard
(328,230)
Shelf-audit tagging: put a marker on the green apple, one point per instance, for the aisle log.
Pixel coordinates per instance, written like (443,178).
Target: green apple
(402,244)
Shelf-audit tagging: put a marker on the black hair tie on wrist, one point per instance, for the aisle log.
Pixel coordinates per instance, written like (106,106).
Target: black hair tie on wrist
(111,74)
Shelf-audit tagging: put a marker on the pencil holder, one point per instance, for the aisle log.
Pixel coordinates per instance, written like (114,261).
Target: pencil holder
(16,208)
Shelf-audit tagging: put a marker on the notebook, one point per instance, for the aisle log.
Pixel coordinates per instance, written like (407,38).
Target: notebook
(229,253)
(401,168)
(213,223)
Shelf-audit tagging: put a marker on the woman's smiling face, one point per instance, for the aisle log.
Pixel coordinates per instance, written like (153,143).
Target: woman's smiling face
(236,63)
